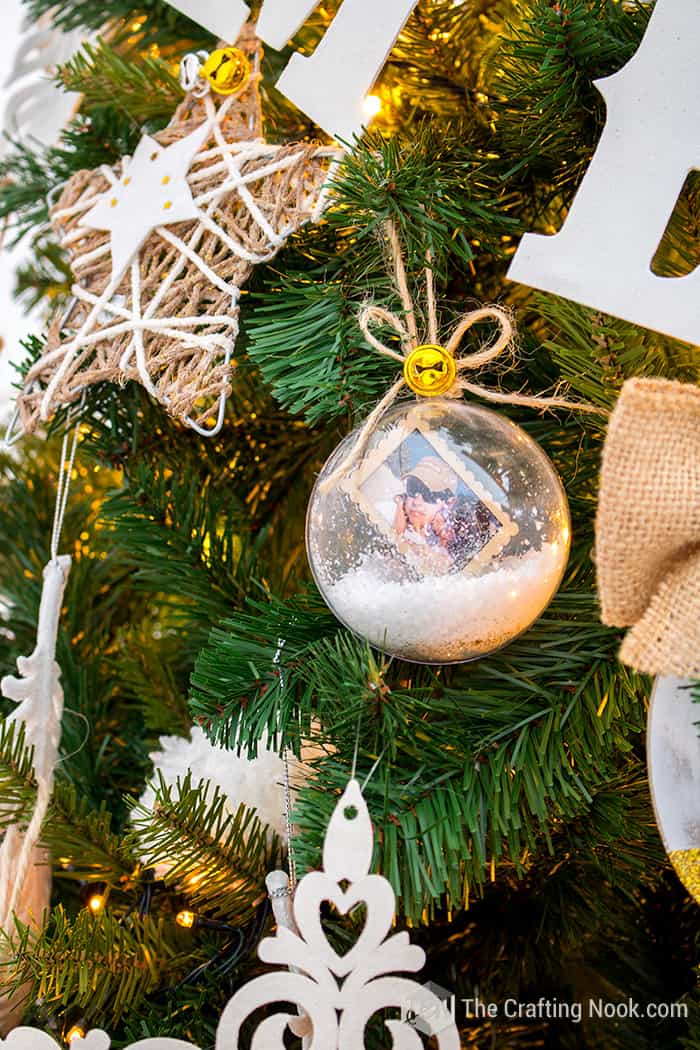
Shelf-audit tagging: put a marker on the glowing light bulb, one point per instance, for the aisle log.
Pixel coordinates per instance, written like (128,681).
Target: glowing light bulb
(96,903)
(76,1032)
(186,919)
(372,106)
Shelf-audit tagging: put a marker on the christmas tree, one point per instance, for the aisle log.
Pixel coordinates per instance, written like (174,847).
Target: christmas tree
(509,795)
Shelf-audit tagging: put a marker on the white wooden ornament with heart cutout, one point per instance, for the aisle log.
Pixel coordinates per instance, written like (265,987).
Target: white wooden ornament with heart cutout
(338,993)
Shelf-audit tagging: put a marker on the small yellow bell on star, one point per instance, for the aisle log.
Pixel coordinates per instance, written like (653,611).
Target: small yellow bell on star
(227,70)
(430,370)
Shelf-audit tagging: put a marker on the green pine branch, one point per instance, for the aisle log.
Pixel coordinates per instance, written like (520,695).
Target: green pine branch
(474,763)
(429,73)
(302,326)
(83,843)
(46,278)
(152,676)
(439,192)
(304,338)
(30,175)
(549,114)
(679,254)
(215,859)
(144,87)
(185,544)
(596,353)
(259,655)
(99,964)
(17,781)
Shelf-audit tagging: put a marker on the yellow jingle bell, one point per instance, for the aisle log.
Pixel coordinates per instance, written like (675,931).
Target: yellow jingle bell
(430,370)
(227,70)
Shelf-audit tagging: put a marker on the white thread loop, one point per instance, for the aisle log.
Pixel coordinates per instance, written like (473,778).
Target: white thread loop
(65,473)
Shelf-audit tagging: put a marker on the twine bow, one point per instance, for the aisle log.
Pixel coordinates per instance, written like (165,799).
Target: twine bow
(406,328)
(648,526)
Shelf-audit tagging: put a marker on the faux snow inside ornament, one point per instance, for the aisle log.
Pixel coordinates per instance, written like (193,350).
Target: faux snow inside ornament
(438,531)
(448,536)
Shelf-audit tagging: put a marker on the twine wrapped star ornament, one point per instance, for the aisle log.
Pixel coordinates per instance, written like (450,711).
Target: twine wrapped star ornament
(160,248)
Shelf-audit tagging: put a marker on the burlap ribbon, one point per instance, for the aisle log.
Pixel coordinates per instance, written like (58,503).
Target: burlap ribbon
(648,526)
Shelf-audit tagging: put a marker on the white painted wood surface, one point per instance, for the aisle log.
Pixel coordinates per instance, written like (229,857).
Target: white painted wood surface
(338,993)
(673,749)
(602,256)
(331,85)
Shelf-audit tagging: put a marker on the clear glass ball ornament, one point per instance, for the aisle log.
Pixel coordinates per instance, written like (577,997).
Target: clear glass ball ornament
(444,538)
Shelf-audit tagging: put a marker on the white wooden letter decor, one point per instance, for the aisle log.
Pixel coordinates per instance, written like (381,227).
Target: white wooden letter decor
(337,994)
(331,85)
(602,256)
(223,18)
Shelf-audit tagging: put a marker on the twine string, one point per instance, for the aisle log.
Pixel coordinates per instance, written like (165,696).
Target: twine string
(406,329)
(432,302)
(401,281)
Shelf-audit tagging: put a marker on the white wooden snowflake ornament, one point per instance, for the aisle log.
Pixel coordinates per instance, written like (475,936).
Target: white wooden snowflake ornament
(339,994)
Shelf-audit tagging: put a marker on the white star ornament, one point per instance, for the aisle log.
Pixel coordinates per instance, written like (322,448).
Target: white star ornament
(153,191)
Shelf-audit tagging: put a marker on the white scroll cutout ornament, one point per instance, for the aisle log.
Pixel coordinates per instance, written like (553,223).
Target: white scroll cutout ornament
(331,85)
(602,255)
(34,107)
(338,993)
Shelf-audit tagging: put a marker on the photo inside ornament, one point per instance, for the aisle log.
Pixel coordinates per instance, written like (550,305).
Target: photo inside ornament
(444,538)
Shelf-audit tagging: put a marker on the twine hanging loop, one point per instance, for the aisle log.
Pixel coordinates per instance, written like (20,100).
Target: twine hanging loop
(432,368)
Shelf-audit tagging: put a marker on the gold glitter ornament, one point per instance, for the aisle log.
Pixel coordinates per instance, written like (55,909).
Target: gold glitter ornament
(673,757)
(227,70)
(430,370)
(687,865)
